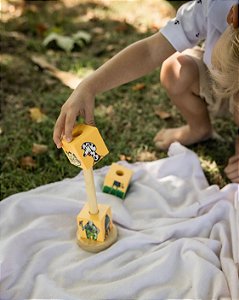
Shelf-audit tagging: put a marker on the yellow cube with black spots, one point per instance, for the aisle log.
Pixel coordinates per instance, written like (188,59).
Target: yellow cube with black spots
(94,227)
(86,148)
(117,180)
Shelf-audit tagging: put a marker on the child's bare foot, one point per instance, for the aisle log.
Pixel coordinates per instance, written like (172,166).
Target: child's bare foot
(185,135)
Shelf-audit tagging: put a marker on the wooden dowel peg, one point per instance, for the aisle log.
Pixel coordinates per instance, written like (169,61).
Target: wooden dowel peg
(90,190)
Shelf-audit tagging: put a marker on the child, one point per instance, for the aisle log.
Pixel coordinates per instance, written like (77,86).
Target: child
(184,74)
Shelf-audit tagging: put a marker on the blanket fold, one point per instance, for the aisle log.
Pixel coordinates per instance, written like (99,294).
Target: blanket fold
(178,238)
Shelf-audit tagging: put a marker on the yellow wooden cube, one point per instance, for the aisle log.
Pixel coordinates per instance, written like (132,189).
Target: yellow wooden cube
(86,148)
(117,180)
(95,227)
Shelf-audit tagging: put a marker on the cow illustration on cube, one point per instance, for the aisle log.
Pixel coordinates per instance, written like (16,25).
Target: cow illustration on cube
(95,229)
(86,148)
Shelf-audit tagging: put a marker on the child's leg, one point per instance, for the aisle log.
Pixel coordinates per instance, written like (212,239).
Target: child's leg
(180,78)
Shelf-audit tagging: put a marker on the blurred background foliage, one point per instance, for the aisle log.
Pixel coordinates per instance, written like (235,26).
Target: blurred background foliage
(37,77)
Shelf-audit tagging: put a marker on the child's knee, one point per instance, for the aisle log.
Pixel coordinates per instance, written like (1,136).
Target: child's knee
(178,73)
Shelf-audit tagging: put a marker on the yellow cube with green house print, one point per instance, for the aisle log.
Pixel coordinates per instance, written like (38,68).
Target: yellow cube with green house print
(94,227)
(117,180)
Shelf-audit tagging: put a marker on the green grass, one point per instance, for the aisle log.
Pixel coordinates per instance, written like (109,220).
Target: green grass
(125,118)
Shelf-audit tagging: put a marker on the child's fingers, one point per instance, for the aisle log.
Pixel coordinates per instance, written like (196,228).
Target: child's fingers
(69,125)
(232,169)
(59,130)
(233,159)
(233,176)
(89,117)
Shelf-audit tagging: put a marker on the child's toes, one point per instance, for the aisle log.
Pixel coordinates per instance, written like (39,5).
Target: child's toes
(161,145)
(159,136)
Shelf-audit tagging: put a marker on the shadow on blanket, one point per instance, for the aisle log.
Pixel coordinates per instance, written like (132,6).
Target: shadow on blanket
(178,238)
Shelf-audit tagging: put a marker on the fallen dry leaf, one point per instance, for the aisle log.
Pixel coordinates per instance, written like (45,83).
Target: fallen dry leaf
(37,115)
(43,63)
(146,156)
(123,27)
(41,28)
(98,30)
(110,48)
(27,162)
(209,165)
(110,110)
(103,110)
(138,87)
(125,157)
(161,113)
(15,35)
(69,79)
(39,148)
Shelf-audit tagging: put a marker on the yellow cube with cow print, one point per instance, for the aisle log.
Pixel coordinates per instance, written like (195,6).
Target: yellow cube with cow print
(86,148)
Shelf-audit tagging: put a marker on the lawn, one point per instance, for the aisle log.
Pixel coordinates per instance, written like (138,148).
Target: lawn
(128,117)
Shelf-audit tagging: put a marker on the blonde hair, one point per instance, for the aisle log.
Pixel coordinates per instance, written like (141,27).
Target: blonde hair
(225,62)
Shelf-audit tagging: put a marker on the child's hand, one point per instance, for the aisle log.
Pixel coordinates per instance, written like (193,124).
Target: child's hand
(232,168)
(80,103)
(134,61)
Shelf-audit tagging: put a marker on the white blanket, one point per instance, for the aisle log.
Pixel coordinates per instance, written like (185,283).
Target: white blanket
(178,238)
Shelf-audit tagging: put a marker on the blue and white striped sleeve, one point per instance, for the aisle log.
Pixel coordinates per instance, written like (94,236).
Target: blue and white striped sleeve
(188,27)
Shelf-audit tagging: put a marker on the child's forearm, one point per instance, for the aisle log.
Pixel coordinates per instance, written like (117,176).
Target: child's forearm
(135,61)
(131,63)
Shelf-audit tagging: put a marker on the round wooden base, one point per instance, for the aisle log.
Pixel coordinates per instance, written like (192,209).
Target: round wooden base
(94,246)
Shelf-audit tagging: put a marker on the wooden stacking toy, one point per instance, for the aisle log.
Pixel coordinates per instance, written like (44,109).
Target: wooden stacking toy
(117,180)
(95,228)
